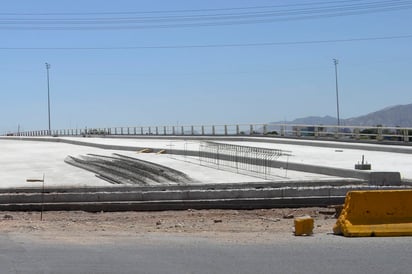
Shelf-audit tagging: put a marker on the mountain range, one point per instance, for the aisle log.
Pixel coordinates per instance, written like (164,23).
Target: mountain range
(399,115)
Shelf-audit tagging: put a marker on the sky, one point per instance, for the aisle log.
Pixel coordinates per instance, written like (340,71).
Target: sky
(192,62)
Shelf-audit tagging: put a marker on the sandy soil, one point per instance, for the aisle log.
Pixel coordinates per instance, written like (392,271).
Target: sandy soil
(242,226)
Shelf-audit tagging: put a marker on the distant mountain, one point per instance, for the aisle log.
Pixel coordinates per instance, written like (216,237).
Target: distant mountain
(315,120)
(400,115)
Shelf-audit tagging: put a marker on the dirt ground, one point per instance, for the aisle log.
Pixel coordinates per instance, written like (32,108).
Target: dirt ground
(226,225)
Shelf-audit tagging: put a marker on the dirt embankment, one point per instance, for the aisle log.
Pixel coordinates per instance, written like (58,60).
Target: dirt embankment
(225,224)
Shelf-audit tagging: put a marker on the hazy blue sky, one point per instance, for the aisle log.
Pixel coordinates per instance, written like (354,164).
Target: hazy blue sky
(163,78)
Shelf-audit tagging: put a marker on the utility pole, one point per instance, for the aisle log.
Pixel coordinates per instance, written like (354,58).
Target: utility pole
(336,61)
(48,94)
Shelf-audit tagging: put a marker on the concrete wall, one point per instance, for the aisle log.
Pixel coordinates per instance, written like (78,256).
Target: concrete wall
(175,199)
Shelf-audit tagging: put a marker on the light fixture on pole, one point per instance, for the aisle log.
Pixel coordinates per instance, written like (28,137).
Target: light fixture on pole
(48,94)
(336,61)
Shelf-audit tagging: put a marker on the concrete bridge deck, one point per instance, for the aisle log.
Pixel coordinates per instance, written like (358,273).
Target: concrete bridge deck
(27,157)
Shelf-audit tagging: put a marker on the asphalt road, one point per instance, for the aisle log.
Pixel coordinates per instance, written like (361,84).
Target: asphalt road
(165,253)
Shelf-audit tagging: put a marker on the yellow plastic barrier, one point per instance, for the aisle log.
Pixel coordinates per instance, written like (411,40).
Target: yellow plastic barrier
(376,213)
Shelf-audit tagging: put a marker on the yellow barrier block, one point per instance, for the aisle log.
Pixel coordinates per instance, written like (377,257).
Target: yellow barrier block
(146,150)
(304,226)
(376,213)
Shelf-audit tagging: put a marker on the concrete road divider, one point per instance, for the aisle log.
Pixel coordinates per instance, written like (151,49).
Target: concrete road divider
(376,213)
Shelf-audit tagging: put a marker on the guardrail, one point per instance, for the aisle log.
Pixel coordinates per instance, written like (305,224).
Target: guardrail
(358,133)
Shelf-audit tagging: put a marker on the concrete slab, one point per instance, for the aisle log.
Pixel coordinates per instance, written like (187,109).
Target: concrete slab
(321,153)
(22,160)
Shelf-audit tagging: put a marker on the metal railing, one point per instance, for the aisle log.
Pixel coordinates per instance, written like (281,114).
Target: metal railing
(331,132)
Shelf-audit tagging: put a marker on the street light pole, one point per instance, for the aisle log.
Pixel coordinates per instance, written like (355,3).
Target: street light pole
(336,61)
(48,94)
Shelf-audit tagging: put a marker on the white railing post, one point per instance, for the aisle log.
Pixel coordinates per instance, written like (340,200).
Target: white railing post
(357,133)
(379,136)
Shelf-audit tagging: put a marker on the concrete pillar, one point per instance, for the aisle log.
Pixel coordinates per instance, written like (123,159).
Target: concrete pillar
(379,137)
(298,134)
(192,130)
(357,133)
(173,130)
(157,130)
(225,129)
(213,130)
(237,130)
(251,130)
(265,131)
(203,130)
(164,130)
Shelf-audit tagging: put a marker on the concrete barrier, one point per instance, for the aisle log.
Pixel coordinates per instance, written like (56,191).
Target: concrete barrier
(376,213)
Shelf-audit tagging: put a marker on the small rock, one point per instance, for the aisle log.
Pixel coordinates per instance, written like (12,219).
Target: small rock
(158,223)
(217,221)
(288,216)
(8,217)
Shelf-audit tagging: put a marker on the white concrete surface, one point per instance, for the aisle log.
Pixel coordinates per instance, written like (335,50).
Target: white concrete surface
(343,158)
(315,154)
(21,160)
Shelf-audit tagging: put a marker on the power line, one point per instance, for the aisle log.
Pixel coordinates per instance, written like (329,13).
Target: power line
(199,20)
(217,16)
(183,10)
(267,44)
